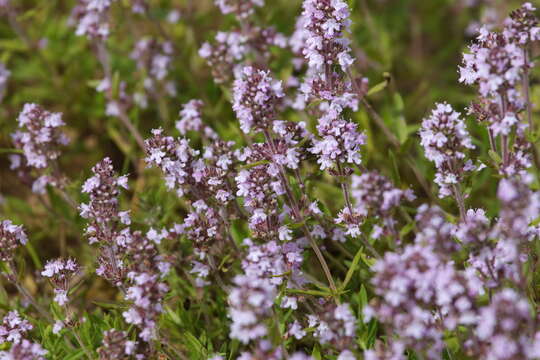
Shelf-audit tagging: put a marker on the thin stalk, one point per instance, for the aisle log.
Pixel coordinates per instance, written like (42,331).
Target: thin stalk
(460,202)
(526,84)
(492,143)
(370,247)
(13,278)
(81,343)
(300,219)
(26,294)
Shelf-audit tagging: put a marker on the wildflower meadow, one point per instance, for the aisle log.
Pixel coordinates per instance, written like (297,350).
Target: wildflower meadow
(269,179)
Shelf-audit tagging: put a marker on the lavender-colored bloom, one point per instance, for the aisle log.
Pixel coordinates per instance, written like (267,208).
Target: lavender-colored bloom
(474,230)
(494,63)
(339,142)
(24,350)
(393,351)
(154,58)
(327,21)
(91,18)
(190,117)
(13,328)
(275,262)
(227,49)
(336,325)
(255,99)
(241,8)
(250,303)
(504,328)
(146,288)
(60,273)
(11,237)
(522,25)
(412,284)
(115,345)
(40,140)
(226,54)
(434,229)
(376,197)
(189,173)
(102,211)
(107,225)
(445,140)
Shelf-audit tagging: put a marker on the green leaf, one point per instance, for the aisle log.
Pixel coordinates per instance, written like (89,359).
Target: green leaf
(380,86)
(194,344)
(316,353)
(309,292)
(495,157)
(352,269)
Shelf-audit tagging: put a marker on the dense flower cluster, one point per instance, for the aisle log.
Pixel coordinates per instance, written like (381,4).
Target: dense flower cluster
(339,144)
(377,198)
(445,140)
(13,328)
(154,58)
(250,302)
(40,140)
(336,325)
(241,8)
(504,328)
(91,18)
(115,345)
(326,23)
(146,287)
(24,350)
(421,295)
(256,95)
(499,63)
(106,223)
(60,273)
(11,237)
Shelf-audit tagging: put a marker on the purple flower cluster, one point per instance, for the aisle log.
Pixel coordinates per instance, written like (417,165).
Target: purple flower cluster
(226,56)
(24,350)
(13,328)
(40,140)
(445,140)
(435,230)
(256,95)
(60,273)
(115,345)
(505,329)
(91,18)
(377,198)
(154,58)
(499,63)
(107,225)
(339,142)
(241,8)
(250,302)
(326,23)
(422,295)
(275,262)
(146,288)
(11,237)
(335,325)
